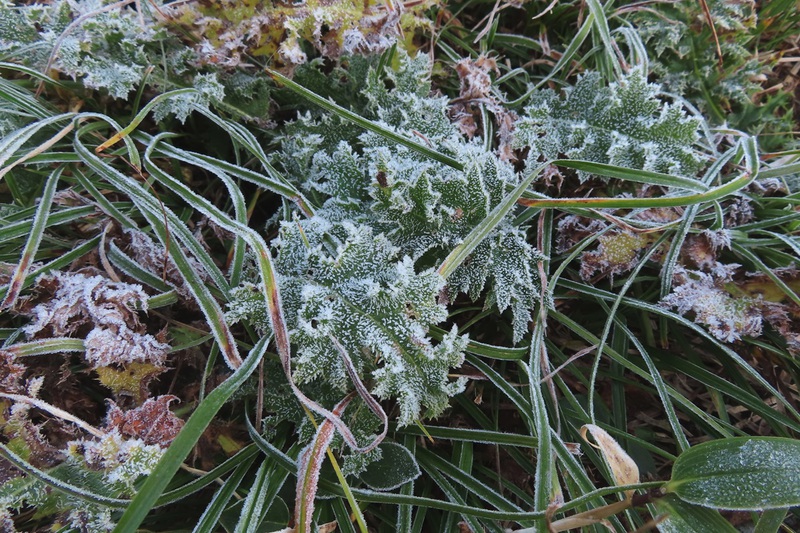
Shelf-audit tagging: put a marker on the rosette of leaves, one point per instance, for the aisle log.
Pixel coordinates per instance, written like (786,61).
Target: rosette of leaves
(424,207)
(341,281)
(621,124)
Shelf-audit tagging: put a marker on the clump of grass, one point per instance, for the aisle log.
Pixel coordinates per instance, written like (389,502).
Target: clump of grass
(495,272)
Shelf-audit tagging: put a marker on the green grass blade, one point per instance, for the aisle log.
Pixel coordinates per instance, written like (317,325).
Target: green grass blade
(208,521)
(460,253)
(33,241)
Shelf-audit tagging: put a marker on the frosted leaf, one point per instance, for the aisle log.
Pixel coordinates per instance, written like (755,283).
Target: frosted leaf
(344,281)
(123,461)
(621,124)
(728,318)
(75,299)
(153,422)
(209,91)
(107,346)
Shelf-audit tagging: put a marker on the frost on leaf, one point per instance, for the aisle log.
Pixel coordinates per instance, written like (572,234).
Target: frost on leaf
(74,300)
(732,307)
(152,421)
(423,207)
(621,124)
(208,91)
(103,312)
(122,461)
(705,295)
(106,50)
(348,283)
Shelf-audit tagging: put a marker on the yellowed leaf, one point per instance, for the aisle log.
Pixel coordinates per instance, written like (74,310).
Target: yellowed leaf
(622,466)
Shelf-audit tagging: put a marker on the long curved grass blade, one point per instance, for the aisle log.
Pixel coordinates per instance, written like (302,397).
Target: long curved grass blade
(13,230)
(245,138)
(155,484)
(364,123)
(634,175)
(751,173)
(696,328)
(34,238)
(278,186)
(609,45)
(13,141)
(144,199)
(566,58)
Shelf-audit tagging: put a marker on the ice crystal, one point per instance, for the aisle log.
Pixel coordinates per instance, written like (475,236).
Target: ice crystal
(621,124)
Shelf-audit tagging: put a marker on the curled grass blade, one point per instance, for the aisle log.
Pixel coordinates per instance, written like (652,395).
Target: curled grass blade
(32,243)
(751,173)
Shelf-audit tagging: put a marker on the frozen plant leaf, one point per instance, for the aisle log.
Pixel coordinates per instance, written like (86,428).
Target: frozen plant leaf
(209,91)
(73,300)
(153,422)
(356,289)
(343,281)
(122,346)
(423,207)
(621,124)
(728,318)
